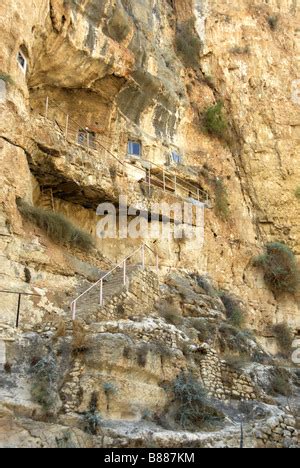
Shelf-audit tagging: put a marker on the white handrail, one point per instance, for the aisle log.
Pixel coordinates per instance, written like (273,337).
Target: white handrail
(101,280)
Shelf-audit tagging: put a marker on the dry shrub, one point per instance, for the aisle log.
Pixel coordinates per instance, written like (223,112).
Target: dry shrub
(171,313)
(79,339)
(284,338)
(56,226)
(280,267)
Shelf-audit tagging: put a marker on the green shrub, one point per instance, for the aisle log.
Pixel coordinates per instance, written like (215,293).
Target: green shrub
(221,200)
(109,389)
(6,78)
(92,418)
(273,22)
(56,226)
(280,267)
(297,192)
(44,382)
(214,121)
(193,409)
(284,338)
(234,312)
(188,44)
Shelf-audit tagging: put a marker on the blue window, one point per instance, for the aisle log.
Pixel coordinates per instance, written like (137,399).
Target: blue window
(176,158)
(134,148)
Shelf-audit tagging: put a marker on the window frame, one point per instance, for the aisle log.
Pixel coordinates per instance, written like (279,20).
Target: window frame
(130,149)
(22,56)
(176,158)
(89,143)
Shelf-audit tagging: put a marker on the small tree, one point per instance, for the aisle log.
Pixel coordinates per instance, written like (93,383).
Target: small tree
(92,418)
(215,122)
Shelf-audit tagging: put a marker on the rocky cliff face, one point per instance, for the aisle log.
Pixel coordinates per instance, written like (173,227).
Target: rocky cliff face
(78,80)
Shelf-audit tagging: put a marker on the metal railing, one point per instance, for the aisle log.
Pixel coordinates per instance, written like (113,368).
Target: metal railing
(19,294)
(121,266)
(168,181)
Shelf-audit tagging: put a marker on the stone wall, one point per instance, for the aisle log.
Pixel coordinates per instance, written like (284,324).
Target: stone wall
(223,382)
(278,433)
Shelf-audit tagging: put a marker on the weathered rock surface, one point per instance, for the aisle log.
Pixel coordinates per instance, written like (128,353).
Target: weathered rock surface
(145,71)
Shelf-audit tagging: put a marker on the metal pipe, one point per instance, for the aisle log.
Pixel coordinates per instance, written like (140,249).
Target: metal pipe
(18,310)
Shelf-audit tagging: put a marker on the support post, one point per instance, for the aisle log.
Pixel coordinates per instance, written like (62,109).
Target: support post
(67,126)
(73,309)
(149,181)
(47,107)
(124,273)
(101,293)
(143,257)
(18,310)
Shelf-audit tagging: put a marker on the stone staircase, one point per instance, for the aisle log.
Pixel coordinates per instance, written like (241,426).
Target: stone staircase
(113,286)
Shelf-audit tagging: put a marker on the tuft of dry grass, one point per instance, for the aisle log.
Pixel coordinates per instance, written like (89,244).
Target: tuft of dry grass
(56,226)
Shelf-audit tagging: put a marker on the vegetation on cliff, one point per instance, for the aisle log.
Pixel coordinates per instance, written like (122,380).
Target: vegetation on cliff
(188,44)
(215,122)
(280,267)
(56,226)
